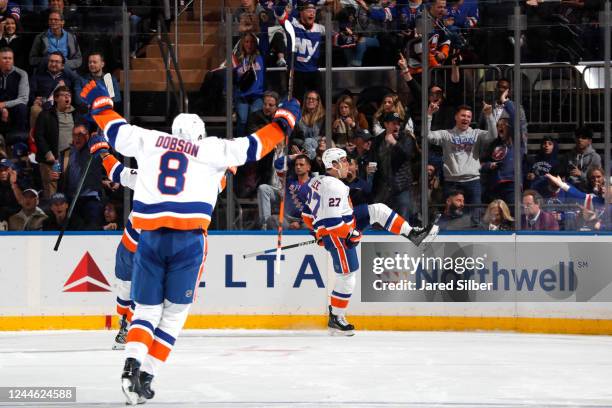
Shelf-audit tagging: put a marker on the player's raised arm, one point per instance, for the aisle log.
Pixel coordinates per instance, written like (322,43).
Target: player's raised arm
(115,170)
(123,137)
(253,147)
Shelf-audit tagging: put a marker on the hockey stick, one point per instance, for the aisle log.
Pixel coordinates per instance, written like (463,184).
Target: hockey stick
(73,203)
(281,212)
(108,83)
(268,251)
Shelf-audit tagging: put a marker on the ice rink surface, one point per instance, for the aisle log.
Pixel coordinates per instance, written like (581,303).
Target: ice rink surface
(246,368)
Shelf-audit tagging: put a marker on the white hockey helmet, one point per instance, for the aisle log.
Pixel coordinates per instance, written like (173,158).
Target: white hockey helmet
(332,155)
(188,126)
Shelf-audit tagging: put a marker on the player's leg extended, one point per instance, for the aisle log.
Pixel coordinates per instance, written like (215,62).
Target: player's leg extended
(123,285)
(345,263)
(148,276)
(381,214)
(182,279)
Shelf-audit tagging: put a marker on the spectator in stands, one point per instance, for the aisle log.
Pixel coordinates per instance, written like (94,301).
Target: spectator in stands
(28,173)
(12,37)
(8,9)
(359,148)
(89,203)
(439,42)
(391,104)
(112,219)
(361,186)
(497,217)
(464,12)
(59,212)
(498,164)
(533,217)
(44,84)
(453,218)
(346,121)
(317,164)
(268,196)
(544,161)
(9,204)
(14,89)
(311,36)
(56,39)
(353,44)
(394,150)
(95,66)
(249,70)
(462,147)
(249,8)
(312,123)
(581,158)
(557,202)
(503,93)
(435,194)
(447,101)
(260,118)
(595,180)
(53,136)
(30,218)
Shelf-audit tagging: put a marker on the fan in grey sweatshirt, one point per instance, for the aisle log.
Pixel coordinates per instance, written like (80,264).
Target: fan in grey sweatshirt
(462,145)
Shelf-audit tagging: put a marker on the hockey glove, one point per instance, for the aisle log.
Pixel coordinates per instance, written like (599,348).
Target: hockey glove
(352,239)
(97,97)
(288,114)
(98,144)
(318,240)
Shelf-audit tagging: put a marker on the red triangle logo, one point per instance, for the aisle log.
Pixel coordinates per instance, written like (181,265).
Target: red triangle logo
(87,277)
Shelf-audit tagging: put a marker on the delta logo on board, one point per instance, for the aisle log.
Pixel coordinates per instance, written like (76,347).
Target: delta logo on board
(87,277)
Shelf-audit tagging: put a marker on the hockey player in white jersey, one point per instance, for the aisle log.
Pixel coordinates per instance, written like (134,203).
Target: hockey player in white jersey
(175,195)
(329,213)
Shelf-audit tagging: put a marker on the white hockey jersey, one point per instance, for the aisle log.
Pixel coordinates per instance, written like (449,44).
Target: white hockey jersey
(179,180)
(328,209)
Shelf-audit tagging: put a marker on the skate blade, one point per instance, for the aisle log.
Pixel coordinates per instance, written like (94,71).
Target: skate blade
(340,333)
(119,346)
(131,396)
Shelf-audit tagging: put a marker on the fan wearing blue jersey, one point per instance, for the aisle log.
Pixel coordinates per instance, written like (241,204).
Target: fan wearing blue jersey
(328,211)
(175,194)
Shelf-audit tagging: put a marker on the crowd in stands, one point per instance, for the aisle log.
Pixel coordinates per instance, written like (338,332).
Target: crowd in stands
(50,49)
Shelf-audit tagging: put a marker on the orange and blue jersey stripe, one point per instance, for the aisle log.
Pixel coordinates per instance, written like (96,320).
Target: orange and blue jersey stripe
(338,226)
(113,168)
(171,214)
(130,237)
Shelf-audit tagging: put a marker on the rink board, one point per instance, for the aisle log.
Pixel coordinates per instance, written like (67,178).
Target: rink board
(71,289)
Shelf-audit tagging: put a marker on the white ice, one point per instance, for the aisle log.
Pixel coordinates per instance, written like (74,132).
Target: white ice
(241,368)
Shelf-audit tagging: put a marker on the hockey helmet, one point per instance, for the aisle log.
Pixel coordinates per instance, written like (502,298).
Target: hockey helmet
(332,155)
(188,126)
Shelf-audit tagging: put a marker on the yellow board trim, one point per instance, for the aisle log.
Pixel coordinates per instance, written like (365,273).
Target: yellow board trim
(304,322)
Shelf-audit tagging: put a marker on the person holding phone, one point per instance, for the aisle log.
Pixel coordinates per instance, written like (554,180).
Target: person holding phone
(581,158)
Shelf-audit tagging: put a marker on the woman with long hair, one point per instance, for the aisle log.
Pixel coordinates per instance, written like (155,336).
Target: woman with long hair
(312,123)
(249,71)
(12,38)
(346,121)
(497,217)
(391,103)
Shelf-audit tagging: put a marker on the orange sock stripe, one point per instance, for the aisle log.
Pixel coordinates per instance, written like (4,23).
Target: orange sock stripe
(140,335)
(269,136)
(130,314)
(340,303)
(159,351)
(122,310)
(396,225)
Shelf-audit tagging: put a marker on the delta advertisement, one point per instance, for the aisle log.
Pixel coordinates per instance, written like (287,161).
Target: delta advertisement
(487,272)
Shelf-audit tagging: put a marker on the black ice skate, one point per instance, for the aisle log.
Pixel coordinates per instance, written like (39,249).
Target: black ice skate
(120,338)
(338,326)
(146,393)
(130,381)
(418,234)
